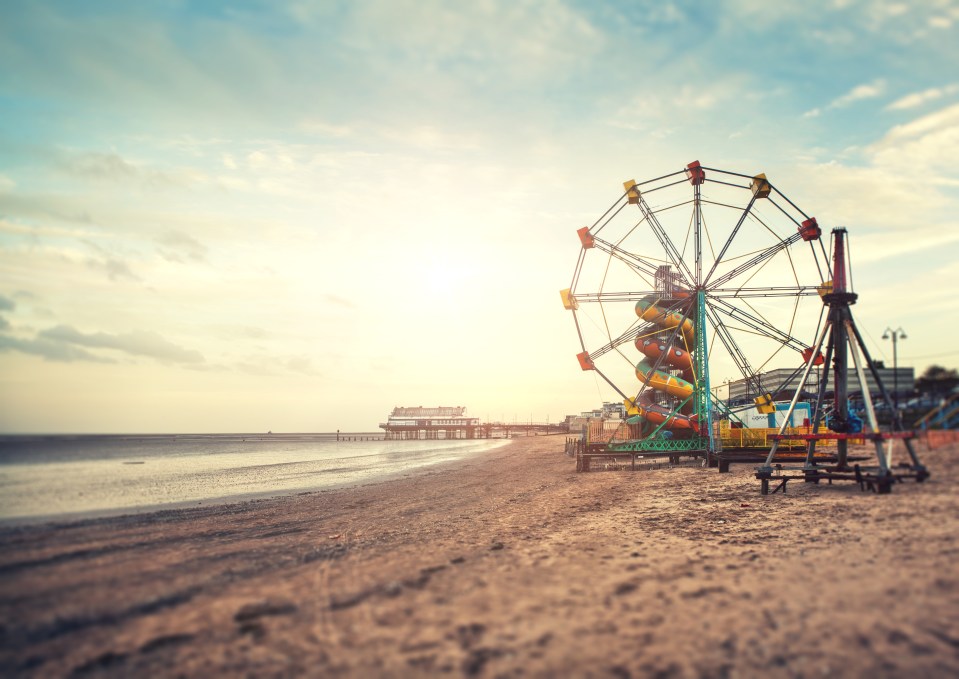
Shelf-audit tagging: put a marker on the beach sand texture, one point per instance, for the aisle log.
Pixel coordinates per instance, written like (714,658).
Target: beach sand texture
(507,564)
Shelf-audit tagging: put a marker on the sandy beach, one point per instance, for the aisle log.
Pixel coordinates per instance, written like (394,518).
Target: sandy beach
(508,564)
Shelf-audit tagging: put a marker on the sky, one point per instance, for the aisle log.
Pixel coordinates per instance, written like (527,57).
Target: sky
(294,216)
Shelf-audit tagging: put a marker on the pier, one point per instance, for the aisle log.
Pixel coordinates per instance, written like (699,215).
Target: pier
(486,430)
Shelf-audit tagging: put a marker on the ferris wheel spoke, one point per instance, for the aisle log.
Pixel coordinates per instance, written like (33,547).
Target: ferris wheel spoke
(631,296)
(633,261)
(727,340)
(627,337)
(773,291)
(750,374)
(732,348)
(762,257)
(674,257)
(758,314)
(729,241)
(757,324)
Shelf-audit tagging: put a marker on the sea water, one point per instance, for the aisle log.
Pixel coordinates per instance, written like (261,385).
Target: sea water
(55,477)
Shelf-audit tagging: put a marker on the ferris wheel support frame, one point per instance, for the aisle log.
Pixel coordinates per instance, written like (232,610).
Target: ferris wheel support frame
(704,403)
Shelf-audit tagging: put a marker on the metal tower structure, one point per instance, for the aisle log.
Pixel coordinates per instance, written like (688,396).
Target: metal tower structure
(843,341)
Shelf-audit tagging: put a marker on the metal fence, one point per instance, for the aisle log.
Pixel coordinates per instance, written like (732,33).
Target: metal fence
(604,432)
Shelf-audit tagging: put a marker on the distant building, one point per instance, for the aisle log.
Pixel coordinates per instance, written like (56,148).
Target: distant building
(609,411)
(778,383)
(614,411)
(443,422)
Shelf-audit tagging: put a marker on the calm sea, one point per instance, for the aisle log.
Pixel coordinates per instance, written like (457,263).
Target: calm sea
(56,477)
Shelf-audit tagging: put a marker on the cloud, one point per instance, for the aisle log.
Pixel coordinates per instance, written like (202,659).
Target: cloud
(102,166)
(940,22)
(137,343)
(902,182)
(5,305)
(857,93)
(321,128)
(51,350)
(115,269)
(919,98)
(657,112)
(176,246)
(253,69)
(98,166)
(518,40)
(301,364)
(264,365)
(925,146)
(939,120)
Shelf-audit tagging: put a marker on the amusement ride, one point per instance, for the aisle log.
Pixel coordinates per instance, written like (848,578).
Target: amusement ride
(702,273)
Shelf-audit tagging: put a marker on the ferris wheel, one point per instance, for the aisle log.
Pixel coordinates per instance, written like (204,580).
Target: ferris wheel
(689,280)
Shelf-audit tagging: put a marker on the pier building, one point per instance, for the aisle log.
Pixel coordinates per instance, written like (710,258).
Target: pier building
(443,422)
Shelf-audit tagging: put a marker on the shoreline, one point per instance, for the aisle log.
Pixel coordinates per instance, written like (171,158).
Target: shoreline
(507,563)
(61,518)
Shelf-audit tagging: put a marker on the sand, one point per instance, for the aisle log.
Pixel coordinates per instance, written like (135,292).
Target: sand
(509,564)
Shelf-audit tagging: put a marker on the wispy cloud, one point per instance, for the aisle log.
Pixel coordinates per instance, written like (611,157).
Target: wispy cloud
(940,22)
(321,128)
(111,167)
(51,350)
(113,266)
(903,182)
(926,146)
(115,269)
(916,99)
(857,93)
(94,165)
(860,92)
(267,365)
(65,343)
(137,343)
(657,111)
(5,305)
(175,246)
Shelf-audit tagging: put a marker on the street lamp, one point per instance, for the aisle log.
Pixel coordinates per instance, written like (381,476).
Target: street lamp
(895,335)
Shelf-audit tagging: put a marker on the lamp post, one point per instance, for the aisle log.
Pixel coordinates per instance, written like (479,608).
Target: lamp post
(895,336)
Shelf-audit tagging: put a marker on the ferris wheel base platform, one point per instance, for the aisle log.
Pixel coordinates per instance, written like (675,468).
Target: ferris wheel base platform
(643,453)
(723,460)
(661,445)
(876,479)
